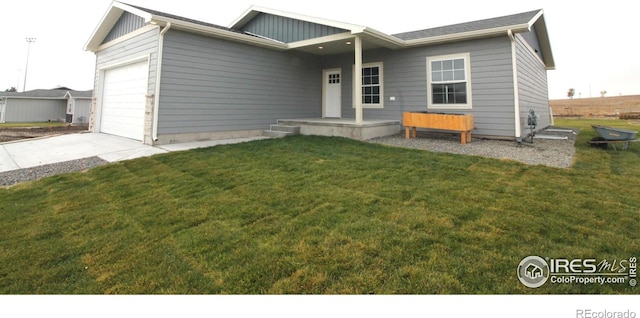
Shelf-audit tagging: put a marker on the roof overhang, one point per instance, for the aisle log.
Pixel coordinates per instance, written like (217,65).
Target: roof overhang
(543,39)
(116,10)
(332,44)
(109,20)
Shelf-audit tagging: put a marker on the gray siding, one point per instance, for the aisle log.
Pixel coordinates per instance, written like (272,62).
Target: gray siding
(126,24)
(405,78)
(145,44)
(532,86)
(287,30)
(211,85)
(35,110)
(81,111)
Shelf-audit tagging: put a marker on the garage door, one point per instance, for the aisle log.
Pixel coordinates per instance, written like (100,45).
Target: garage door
(123,101)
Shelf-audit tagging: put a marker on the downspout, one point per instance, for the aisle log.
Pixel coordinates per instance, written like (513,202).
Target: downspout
(156,100)
(516,97)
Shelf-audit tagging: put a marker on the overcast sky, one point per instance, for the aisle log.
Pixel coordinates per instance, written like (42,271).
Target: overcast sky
(595,47)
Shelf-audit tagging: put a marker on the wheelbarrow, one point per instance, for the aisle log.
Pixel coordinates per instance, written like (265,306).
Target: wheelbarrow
(611,135)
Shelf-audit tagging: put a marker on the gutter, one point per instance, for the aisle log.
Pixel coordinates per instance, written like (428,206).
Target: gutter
(156,100)
(516,98)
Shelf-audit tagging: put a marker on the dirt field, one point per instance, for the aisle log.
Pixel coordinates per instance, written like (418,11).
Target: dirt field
(595,107)
(11,134)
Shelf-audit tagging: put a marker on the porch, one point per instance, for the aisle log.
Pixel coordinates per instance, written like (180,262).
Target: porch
(341,127)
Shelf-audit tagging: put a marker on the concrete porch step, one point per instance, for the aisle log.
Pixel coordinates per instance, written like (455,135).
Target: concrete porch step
(280,131)
(286,128)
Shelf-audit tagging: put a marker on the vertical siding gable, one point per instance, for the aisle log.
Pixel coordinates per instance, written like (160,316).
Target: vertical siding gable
(287,30)
(127,23)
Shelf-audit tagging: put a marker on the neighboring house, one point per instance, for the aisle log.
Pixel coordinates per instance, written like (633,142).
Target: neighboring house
(42,105)
(161,78)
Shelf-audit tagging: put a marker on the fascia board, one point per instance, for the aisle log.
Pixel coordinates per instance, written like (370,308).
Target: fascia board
(33,97)
(468,35)
(320,40)
(543,40)
(391,41)
(145,15)
(109,20)
(216,32)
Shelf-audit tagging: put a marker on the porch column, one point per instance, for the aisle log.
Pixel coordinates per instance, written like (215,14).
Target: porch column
(357,79)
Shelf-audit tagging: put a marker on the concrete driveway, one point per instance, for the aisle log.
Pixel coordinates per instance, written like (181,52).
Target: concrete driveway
(36,152)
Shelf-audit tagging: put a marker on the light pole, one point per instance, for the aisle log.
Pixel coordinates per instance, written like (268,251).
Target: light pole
(29,41)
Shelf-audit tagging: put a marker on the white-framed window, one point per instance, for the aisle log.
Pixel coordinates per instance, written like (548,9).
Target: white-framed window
(372,85)
(449,81)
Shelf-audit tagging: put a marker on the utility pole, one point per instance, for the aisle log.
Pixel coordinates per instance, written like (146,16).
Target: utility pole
(29,41)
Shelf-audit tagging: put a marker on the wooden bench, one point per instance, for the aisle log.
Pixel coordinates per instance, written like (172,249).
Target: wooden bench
(462,123)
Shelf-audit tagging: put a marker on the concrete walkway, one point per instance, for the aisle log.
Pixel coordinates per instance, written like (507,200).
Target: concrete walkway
(41,151)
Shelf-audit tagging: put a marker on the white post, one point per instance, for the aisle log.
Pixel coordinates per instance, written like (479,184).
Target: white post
(357,79)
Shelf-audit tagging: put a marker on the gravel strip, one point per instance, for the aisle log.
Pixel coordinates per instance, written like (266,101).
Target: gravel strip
(552,153)
(12,177)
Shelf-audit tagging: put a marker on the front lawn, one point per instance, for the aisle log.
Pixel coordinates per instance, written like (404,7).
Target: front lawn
(318,215)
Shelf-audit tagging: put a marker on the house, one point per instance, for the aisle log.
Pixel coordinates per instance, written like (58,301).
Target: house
(42,105)
(162,78)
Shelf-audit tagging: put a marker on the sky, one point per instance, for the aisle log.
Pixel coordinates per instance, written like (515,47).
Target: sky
(595,46)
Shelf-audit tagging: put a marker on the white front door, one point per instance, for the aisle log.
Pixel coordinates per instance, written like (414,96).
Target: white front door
(332,93)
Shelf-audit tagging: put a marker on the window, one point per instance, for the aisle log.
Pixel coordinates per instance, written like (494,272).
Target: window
(372,85)
(449,82)
(334,78)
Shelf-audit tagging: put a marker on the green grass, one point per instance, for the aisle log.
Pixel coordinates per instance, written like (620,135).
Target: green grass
(318,215)
(35,124)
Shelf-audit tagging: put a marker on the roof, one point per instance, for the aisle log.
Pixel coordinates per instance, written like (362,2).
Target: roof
(511,24)
(179,18)
(514,21)
(55,93)
(161,19)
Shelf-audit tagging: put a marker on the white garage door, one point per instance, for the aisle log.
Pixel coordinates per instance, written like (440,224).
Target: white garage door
(123,101)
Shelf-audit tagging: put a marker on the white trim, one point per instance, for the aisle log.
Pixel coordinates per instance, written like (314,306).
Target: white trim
(3,103)
(141,13)
(320,40)
(221,33)
(380,66)
(156,95)
(467,69)
(357,80)
(127,36)
(109,19)
(324,89)
(466,35)
(126,62)
(516,93)
(27,97)
(100,89)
